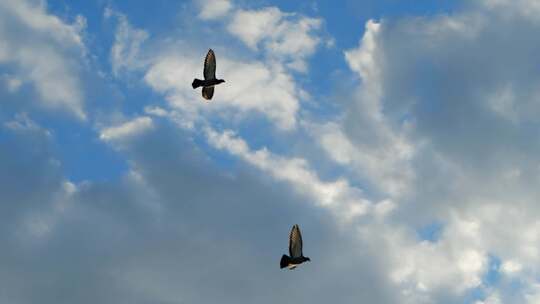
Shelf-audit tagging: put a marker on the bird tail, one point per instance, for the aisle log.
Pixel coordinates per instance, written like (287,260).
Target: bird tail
(284,261)
(196,83)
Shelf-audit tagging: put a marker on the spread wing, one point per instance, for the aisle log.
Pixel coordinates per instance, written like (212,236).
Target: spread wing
(208,92)
(295,242)
(210,65)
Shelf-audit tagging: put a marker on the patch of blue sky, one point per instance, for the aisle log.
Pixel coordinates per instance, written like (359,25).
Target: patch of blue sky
(83,155)
(492,275)
(490,279)
(430,232)
(75,143)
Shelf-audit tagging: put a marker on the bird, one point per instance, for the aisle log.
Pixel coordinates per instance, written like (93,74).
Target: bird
(209,73)
(295,250)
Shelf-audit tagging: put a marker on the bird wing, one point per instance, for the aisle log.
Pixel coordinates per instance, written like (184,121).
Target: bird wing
(208,92)
(295,242)
(210,65)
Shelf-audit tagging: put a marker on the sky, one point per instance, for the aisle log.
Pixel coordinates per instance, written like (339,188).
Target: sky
(402,138)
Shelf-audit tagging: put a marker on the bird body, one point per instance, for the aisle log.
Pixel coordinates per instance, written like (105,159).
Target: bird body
(295,257)
(209,73)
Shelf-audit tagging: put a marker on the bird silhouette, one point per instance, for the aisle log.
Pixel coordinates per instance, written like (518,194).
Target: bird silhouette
(296,257)
(209,73)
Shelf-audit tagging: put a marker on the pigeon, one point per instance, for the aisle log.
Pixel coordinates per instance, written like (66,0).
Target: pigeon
(295,250)
(209,76)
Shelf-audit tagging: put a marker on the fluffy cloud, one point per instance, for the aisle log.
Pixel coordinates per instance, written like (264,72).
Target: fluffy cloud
(451,107)
(385,166)
(250,87)
(212,9)
(147,236)
(338,196)
(127,129)
(285,36)
(252,26)
(44,51)
(257,87)
(127,44)
(365,140)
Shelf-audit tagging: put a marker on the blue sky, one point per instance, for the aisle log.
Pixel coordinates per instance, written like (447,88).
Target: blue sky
(401,138)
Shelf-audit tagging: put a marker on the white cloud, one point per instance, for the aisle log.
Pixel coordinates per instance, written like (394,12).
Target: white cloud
(362,59)
(156,111)
(128,129)
(506,231)
(212,9)
(339,196)
(253,26)
(249,87)
(257,87)
(365,140)
(511,267)
(23,123)
(384,165)
(425,268)
(446,132)
(284,36)
(45,51)
(125,52)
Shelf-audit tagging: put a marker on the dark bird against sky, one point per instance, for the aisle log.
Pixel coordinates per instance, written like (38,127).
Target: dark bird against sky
(296,257)
(209,73)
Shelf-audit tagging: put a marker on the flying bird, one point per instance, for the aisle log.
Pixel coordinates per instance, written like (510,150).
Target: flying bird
(209,73)
(295,250)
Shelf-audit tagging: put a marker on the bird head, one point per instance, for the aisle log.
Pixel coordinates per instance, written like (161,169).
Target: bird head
(307,259)
(221,80)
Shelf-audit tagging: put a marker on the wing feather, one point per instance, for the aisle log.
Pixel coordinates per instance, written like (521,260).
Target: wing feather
(295,242)
(210,65)
(208,92)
